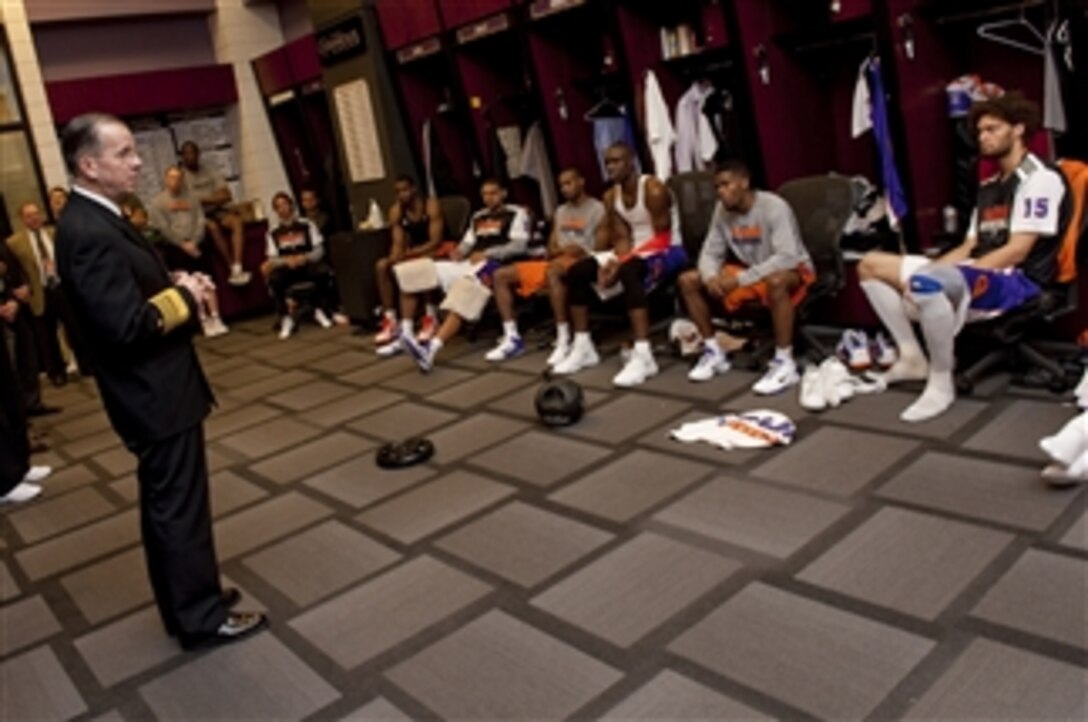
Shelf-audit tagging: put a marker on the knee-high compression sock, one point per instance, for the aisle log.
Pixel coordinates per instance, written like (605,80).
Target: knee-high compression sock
(935,291)
(888,305)
(1065,446)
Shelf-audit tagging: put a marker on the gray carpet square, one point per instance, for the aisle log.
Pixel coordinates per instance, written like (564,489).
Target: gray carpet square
(402,421)
(669,696)
(673,381)
(323,452)
(434,506)
(628,415)
(661,439)
(111,716)
(630,591)
(540,458)
(755,516)
(59,514)
(79,546)
(341,362)
(523,401)
(127,647)
(529,674)
(1016,430)
(68,478)
(352,406)
(480,389)
(24,623)
(601,375)
(320,561)
(256,679)
(249,373)
(467,436)
(87,445)
(1077,535)
(532,362)
(1000,492)
(426,385)
(36,687)
(631,485)
(83,426)
(523,544)
(787,402)
(377,372)
(914,563)
(274,384)
(380,614)
(992,681)
(817,461)
(309,352)
(258,525)
(307,396)
(219,424)
(380,710)
(1044,594)
(116,462)
(9,588)
(880,412)
(217,460)
(230,492)
(110,587)
(822,660)
(269,437)
(361,482)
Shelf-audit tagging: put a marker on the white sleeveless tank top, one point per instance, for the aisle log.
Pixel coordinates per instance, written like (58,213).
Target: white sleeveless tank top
(638,217)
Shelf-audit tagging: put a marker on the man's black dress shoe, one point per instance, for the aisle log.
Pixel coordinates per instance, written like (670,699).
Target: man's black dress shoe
(231,597)
(42,410)
(239,625)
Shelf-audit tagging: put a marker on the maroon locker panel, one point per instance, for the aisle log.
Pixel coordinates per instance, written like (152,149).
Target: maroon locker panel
(459,12)
(406,21)
(273,71)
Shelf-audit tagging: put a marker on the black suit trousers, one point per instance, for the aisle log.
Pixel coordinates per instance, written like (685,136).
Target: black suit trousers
(14,445)
(21,344)
(47,342)
(175,518)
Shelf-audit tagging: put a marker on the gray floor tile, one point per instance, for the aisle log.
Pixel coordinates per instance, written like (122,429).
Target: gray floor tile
(220,424)
(629,486)
(361,482)
(669,696)
(376,616)
(788,403)
(818,461)
(881,412)
(269,437)
(111,716)
(434,506)
(377,372)
(59,514)
(825,661)
(1044,594)
(673,381)
(426,385)
(630,591)
(217,460)
(127,487)
(230,492)
(9,588)
(661,439)
(23,623)
(402,421)
(328,449)
(110,587)
(67,479)
(127,647)
(471,434)
(524,544)
(380,710)
(307,396)
(116,462)
(532,362)
(1077,535)
(480,390)
(274,384)
(87,445)
(320,561)
(540,458)
(82,545)
(36,687)
(270,520)
(352,406)
(76,428)
(628,415)
(1004,493)
(276,683)
(761,518)
(239,376)
(310,351)
(1016,430)
(530,675)
(341,362)
(992,681)
(523,401)
(911,562)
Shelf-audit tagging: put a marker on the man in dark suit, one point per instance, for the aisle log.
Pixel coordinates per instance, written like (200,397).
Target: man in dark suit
(149,376)
(17,331)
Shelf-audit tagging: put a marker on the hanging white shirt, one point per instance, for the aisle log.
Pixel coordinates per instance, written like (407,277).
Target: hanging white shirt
(660,134)
(695,141)
(861,116)
(534,163)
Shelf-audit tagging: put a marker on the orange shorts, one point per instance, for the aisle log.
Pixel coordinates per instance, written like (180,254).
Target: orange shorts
(533,275)
(758,291)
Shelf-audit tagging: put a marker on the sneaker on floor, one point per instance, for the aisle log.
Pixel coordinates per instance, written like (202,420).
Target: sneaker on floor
(22,492)
(853,349)
(37,473)
(780,376)
(389,331)
(341,319)
(214,326)
(710,364)
(812,394)
(428,327)
(238,277)
(636,371)
(579,358)
(559,353)
(287,327)
(882,351)
(509,347)
(390,349)
(422,352)
(322,318)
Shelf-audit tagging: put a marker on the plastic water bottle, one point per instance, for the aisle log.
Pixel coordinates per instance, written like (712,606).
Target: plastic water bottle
(950,220)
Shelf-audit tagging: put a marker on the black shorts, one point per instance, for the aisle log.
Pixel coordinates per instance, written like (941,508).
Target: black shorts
(178,260)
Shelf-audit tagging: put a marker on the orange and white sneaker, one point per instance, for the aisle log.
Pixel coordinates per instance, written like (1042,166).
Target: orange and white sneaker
(428,327)
(389,331)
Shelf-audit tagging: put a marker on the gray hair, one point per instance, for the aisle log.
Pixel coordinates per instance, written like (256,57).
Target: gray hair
(80,137)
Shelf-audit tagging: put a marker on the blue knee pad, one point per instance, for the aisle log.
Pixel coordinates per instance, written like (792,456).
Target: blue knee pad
(939,278)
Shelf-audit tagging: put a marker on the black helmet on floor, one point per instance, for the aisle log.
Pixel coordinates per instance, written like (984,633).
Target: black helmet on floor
(559,402)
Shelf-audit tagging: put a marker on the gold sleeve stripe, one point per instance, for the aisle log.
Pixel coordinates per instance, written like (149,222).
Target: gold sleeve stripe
(172,307)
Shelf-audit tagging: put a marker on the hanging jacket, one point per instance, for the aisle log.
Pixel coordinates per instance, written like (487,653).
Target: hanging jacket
(534,163)
(893,186)
(660,134)
(695,141)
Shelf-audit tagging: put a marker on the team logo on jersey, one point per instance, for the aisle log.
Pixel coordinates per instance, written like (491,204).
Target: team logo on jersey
(746,234)
(994,219)
(289,240)
(980,286)
(489,227)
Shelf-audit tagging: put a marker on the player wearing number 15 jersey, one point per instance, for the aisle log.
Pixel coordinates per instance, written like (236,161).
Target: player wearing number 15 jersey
(1008,256)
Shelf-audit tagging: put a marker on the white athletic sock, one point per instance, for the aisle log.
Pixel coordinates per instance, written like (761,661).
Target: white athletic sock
(582,339)
(436,343)
(938,321)
(236,268)
(391,314)
(1070,442)
(562,333)
(407,326)
(432,310)
(643,347)
(888,304)
(712,345)
(510,329)
(784,354)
